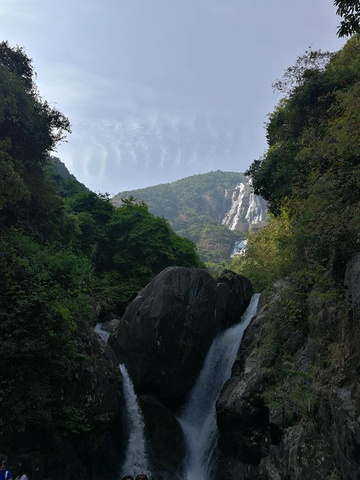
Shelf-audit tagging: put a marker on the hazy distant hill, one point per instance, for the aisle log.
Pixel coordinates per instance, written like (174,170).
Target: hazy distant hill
(214,210)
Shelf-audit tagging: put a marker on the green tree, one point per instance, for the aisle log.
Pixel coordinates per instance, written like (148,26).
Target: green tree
(312,170)
(350,11)
(29,130)
(140,245)
(44,308)
(269,255)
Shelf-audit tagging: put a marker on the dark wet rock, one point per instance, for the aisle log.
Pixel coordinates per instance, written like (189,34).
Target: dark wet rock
(306,372)
(166,331)
(111,323)
(243,423)
(238,298)
(95,391)
(164,436)
(168,328)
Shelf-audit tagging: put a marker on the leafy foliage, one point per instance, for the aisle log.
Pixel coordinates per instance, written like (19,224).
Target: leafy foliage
(44,302)
(66,184)
(312,166)
(67,255)
(350,11)
(29,129)
(269,255)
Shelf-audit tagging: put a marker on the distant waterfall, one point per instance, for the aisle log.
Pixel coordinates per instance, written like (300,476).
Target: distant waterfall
(102,333)
(198,418)
(135,457)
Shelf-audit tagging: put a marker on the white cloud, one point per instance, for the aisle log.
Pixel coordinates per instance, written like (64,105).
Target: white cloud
(157,145)
(158,90)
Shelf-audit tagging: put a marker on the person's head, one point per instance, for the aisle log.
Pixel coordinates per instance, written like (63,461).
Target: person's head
(3,461)
(128,477)
(25,464)
(142,476)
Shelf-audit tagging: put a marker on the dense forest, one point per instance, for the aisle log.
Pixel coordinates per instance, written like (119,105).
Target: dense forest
(68,257)
(310,173)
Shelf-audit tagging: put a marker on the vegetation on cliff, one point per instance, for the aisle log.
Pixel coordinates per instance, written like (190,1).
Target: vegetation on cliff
(195,207)
(311,177)
(305,340)
(67,257)
(310,173)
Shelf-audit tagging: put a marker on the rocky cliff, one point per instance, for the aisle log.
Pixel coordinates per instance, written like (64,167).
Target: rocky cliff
(291,409)
(163,339)
(245,211)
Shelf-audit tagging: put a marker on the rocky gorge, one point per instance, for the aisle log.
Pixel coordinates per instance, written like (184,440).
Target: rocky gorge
(163,339)
(289,411)
(291,406)
(103,304)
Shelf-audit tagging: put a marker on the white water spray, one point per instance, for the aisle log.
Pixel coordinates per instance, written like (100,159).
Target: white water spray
(198,418)
(102,333)
(135,457)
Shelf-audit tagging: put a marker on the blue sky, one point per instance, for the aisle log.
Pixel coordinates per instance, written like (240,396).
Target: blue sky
(158,90)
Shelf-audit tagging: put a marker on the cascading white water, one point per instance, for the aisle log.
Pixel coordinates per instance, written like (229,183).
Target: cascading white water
(102,333)
(198,417)
(135,457)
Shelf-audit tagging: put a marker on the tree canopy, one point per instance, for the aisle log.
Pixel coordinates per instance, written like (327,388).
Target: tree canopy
(68,257)
(310,173)
(350,11)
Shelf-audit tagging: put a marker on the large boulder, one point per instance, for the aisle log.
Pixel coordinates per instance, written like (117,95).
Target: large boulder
(238,296)
(166,331)
(165,438)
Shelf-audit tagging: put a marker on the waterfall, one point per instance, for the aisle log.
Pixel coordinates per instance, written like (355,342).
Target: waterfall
(102,333)
(198,417)
(239,248)
(135,457)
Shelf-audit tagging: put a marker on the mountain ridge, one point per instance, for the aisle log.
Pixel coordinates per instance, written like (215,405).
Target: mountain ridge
(215,210)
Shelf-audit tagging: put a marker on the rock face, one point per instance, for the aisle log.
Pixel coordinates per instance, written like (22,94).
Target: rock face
(167,329)
(237,298)
(291,409)
(96,391)
(245,209)
(164,435)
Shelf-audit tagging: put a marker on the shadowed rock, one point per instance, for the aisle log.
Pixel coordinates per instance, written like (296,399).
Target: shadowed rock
(167,330)
(238,298)
(164,436)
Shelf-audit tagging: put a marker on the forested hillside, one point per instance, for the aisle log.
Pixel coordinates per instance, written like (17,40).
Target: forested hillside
(196,207)
(310,173)
(295,384)
(68,257)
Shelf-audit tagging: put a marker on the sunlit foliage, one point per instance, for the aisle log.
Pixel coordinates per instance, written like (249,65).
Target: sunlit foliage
(311,169)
